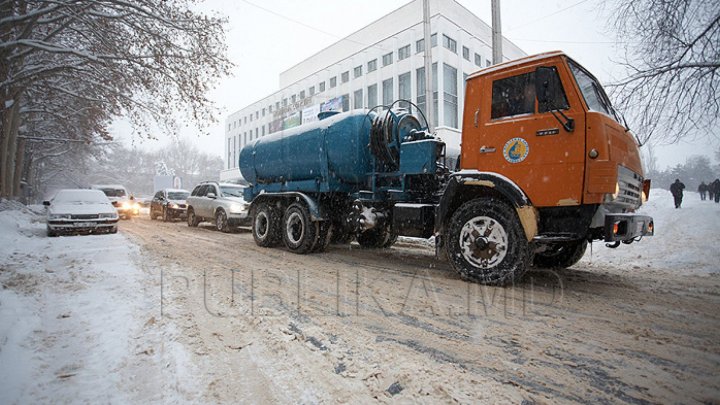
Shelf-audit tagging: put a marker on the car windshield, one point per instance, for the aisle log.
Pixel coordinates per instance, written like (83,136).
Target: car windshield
(114,192)
(231,191)
(80,197)
(178,195)
(592,91)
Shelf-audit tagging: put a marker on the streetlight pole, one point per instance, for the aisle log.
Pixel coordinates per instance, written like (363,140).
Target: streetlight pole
(496,33)
(428,65)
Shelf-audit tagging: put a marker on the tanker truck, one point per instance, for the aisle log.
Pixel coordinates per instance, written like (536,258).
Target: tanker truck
(545,167)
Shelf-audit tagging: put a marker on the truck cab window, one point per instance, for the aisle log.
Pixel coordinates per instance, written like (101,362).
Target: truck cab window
(556,98)
(513,96)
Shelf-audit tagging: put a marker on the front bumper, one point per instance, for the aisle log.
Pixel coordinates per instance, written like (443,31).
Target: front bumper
(239,218)
(626,227)
(82,225)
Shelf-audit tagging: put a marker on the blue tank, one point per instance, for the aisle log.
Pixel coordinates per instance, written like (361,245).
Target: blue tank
(328,155)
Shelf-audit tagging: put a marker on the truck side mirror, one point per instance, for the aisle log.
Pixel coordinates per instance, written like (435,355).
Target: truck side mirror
(544,83)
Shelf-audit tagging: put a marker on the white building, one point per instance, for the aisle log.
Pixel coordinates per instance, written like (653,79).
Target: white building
(378,64)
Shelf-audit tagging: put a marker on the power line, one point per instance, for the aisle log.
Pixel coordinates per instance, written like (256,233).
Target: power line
(549,15)
(568,42)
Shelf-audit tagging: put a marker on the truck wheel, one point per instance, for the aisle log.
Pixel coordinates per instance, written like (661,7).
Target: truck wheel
(326,233)
(266,226)
(192,220)
(300,234)
(486,242)
(376,238)
(221,221)
(152,215)
(165,215)
(561,255)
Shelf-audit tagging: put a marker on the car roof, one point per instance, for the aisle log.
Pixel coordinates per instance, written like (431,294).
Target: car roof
(175,190)
(96,186)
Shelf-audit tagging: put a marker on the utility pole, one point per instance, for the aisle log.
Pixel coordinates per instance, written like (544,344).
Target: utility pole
(496,33)
(428,65)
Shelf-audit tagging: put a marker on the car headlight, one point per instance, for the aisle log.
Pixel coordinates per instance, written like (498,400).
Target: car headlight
(172,205)
(126,205)
(106,215)
(59,216)
(236,208)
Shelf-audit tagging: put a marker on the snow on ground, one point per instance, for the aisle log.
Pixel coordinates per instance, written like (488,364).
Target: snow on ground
(79,320)
(684,239)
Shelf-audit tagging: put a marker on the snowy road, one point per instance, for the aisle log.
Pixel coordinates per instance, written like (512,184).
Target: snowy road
(354,325)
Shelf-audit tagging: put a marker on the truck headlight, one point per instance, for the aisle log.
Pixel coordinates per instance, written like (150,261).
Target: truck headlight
(617,191)
(59,216)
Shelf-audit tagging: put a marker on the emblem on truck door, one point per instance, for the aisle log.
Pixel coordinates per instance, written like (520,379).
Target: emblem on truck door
(516,150)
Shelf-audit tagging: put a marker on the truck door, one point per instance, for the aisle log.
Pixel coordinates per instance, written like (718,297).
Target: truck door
(521,139)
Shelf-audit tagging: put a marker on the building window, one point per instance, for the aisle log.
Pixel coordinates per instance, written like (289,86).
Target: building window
(357,72)
(302,94)
(277,105)
(487,63)
(358,99)
(449,43)
(257,132)
(311,90)
(387,88)
(293,99)
(229,127)
(333,81)
(420,46)
(433,40)
(372,96)
(404,52)
(257,114)
(263,130)
(250,117)
(321,87)
(466,53)
(345,77)
(345,102)
(404,91)
(420,84)
(284,102)
(372,65)
(478,60)
(263,110)
(450,99)
(387,59)
(245,120)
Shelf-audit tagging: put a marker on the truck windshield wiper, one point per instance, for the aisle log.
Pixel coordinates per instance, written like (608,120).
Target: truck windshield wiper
(567,122)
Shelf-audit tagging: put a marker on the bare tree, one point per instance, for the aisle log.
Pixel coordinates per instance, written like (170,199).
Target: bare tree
(143,59)
(672,89)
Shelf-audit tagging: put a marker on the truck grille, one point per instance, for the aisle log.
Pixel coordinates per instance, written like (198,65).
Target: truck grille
(630,195)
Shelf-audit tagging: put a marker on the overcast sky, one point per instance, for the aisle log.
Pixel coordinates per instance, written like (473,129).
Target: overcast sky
(267,37)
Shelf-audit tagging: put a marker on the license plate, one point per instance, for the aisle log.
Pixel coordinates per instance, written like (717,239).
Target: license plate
(84,224)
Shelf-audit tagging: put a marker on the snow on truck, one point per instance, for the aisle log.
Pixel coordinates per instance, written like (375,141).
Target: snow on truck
(545,167)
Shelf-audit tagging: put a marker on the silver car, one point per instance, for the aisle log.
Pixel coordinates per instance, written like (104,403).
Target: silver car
(221,203)
(74,211)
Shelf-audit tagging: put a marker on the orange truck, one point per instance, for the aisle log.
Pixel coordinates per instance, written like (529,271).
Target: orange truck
(546,167)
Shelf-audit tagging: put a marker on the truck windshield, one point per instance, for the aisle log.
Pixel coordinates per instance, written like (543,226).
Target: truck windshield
(595,97)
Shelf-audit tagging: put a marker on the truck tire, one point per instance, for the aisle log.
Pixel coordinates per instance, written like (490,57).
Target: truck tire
(221,221)
(165,215)
(376,238)
(326,233)
(486,242)
(266,226)
(192,220)
(561,255)
(300,233)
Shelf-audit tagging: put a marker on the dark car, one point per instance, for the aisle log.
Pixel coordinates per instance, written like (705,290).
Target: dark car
(169,204)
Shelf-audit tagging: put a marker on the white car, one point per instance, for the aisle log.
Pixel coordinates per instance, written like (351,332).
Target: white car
(123,201)
(88,211)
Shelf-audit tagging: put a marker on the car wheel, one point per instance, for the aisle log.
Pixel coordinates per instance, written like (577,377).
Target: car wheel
(51,233)
(486,242)
(300,233)
(192,220)
(114,229)
(221,221)
(266,226)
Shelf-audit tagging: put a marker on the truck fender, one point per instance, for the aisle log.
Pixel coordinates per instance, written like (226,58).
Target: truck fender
(317,213)
(466,185)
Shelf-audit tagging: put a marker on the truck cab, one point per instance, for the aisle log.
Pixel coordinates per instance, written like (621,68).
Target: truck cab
(542,133)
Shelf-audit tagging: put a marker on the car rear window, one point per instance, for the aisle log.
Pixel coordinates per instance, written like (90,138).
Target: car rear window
(174,195)
(114,192)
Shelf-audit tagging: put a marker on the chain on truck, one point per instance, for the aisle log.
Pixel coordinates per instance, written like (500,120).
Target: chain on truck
(545,167)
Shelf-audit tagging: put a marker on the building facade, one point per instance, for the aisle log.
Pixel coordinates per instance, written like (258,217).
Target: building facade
(376,65)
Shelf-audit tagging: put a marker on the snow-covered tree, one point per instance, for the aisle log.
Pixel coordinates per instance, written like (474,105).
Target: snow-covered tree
(92,60)
(672,89)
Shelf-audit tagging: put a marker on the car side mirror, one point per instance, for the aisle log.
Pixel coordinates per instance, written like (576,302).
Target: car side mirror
(544,83)
(211,195)
(46,203)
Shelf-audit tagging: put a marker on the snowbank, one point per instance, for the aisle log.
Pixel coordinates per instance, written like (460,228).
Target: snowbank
(78,320)
(684,240)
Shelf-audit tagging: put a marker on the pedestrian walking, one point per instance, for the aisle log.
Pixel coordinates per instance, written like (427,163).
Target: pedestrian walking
(677,191)
(715,185)
(702,189)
